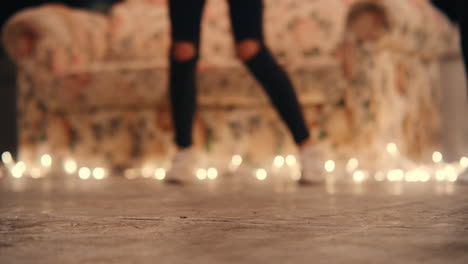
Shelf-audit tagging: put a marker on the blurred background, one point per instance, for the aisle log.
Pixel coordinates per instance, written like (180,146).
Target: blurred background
(371,74)
(382,85)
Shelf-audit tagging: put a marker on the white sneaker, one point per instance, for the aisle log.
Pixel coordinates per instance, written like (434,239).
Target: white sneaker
(182,167)
(312,163)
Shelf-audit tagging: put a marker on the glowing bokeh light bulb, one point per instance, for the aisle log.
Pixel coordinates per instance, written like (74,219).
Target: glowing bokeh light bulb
(46,160)
(84,173)
(392,148)
(212,173)
(18,170)
(399,175)
(452,177)
(237,160)
(296,175)
(437,157)
(202,174)
(359,176)
(352,165)
(464,162)
(160,174)
(451,173)
(440,175)
(411,176)
(70,166)
(7,158)
(21,166)
(261,174)
(16,173)
(279,161)
(99,173)
(395,175)
(422,175)
(290,160)
(330,166)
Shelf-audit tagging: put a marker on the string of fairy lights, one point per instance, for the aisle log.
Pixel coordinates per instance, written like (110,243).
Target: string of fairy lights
(401,170)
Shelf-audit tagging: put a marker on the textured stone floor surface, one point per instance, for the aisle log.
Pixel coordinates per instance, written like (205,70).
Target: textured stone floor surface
(231,221)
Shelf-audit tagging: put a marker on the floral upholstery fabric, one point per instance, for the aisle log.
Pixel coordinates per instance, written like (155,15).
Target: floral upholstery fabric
(366,73)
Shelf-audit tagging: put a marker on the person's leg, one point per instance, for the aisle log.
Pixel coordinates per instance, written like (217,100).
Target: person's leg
(185,17)
(247,18)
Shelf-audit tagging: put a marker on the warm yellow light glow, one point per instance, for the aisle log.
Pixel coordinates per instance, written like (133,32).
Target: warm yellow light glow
(202,174)
(437,157)
(16,173)
(212,173)
(296,175)
(147,172)
(411,176)
(452,177)
(359,176)
(440,175)
(18,170)
(46,160)
(21,166)
(160,174)
(70,166)
(451,173)
(84,173)
(399,175)
(236,160)
(395,175)
(35,173)
(392,148)
(330,166)
(464,162)
(99,173)
(290,160)
(352,165)
(279,161)
(7,158)
(422,175)
(261,174)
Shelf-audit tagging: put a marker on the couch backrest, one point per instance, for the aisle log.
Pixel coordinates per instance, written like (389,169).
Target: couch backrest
(296,29)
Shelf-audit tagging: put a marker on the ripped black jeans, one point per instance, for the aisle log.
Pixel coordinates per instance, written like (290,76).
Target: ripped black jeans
(246,18)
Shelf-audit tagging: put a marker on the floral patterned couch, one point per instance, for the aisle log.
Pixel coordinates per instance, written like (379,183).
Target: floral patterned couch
(94,87)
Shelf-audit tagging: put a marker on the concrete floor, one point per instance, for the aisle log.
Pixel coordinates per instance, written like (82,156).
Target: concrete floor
(231,220)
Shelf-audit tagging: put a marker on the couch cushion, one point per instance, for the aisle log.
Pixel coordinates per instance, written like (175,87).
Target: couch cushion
(144,85)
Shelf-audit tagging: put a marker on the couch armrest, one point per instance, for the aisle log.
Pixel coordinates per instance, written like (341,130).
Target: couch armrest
(411,27)
(403,27)
(56,38)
